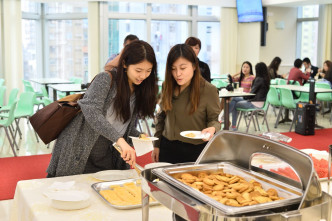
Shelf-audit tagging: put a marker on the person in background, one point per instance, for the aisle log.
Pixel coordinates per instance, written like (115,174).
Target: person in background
(188,102)
(195,44)
(328,77)
(114,61)
(260,88)
(108,114)
(309,67)
(296,74)
(322,72)
(273,68)
(245,78)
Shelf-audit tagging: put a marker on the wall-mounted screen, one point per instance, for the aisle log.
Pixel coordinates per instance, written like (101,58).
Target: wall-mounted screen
(249,10)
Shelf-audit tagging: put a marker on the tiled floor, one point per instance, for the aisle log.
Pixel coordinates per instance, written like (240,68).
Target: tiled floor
(29,145)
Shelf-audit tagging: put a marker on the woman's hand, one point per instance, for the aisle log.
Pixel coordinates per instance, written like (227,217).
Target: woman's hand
(155,154)
(128,153)
(210,131)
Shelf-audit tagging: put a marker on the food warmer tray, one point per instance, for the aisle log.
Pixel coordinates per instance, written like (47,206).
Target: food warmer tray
(236,150)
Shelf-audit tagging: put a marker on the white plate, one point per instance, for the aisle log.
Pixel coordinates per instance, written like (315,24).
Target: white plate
(147,140)
(69,199)
(111,175)
(318,154)
(198,134)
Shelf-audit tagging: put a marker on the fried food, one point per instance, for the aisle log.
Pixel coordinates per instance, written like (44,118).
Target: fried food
(143,137)
(191,135)
(228,189)
(127,194)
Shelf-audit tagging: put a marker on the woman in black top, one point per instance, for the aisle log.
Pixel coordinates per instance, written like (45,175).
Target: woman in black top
(260,87)
(195,44)
(273,68)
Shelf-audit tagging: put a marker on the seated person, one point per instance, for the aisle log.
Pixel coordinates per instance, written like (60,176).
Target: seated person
(322,71)
(260,88)
(273,68)
(245,77)
(296,74)
(309,67)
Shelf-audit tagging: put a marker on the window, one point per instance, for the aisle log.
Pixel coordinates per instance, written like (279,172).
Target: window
(307,33)
(74,7)
(67,42)
(29,41)
(169,9)
(119,29)
(127,7)
(163,26)
(164,35)
(210,51)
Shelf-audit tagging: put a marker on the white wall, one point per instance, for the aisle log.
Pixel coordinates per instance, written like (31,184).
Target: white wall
(248,44)
(280,42)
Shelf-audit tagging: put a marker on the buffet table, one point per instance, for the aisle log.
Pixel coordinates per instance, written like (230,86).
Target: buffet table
(30,203)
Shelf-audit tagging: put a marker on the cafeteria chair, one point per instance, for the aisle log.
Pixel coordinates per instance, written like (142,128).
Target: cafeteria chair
(254,114)
(6,123)
(2,94)
(282,81)
(304,96)
(273,99)
(24,109)
(287,102)
(28,87)
(323,97)
(2,81)
(219,83)
(11,99)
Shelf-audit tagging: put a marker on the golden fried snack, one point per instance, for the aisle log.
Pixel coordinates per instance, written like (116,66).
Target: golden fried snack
(231,190)
(143,137)
(190,135)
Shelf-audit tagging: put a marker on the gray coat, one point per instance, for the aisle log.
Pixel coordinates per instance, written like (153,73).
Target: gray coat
(74,144)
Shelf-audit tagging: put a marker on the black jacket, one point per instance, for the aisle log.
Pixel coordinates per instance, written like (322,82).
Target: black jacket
(314,71)
(205,70)
(260,89)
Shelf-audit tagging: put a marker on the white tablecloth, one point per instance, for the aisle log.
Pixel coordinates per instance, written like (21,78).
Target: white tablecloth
(31,204)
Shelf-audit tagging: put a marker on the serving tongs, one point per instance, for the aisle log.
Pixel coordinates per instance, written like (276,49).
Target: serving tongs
(137,167)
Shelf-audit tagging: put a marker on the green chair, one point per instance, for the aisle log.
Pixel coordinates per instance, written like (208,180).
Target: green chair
(24,109)
(219,83)
(282,81)
(12,98)
(2,81)
(323,97)
(273,99)
(297,93)
(6,123)
(254,113)
(287,102)
(304,96)
(2,94)
(28,87)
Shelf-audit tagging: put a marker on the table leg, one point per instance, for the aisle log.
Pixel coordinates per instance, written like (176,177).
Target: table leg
(55,96)
(145,206)
(286,118)
(226,113)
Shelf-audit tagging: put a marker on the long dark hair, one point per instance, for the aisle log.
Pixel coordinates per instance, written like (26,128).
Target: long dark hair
(261,71)
(176,52)
(134,53)
(329,65)
(328,75)
(275,63)
(242,75)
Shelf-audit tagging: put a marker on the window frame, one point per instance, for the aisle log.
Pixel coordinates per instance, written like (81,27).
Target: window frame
(299,23)
(191,18)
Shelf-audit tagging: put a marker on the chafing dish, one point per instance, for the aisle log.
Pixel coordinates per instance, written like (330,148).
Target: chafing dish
(234,152)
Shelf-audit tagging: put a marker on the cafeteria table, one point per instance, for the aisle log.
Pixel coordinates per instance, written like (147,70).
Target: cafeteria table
(30,203)
(47,81)
(67,88)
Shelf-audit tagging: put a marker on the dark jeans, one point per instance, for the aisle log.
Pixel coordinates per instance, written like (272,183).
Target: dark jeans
(179,152)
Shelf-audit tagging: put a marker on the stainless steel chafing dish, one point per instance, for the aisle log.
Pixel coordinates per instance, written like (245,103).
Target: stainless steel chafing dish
(234,152)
